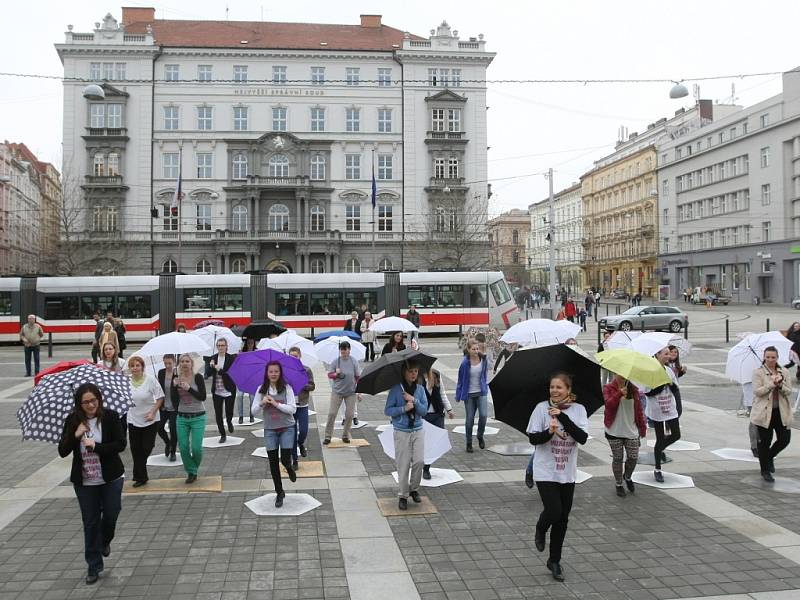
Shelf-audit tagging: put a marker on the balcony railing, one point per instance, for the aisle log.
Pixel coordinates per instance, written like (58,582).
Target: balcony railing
(107,132)
(450,136)
(442,182)
(298,180)
(104,180)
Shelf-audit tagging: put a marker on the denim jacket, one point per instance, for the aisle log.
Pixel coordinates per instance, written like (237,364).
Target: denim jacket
(396,408)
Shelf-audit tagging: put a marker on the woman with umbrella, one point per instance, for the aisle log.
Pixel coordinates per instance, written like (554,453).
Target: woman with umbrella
(472,389)
(624,424)
(406,405)
(438,404)
(223,390)
(277,401)
(169,412)
(95,438)
(248,345)
(555,428)
(143,417)
(662,409)
(771,410)
(191,421)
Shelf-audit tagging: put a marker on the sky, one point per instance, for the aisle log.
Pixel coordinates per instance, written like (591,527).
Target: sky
(532,127)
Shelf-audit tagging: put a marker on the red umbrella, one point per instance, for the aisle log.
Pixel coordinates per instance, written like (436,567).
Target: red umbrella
(64,365)
(207,322)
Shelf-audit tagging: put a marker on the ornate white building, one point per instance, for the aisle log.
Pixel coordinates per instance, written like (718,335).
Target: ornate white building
(276,130)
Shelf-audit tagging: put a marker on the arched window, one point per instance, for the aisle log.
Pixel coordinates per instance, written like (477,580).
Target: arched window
(113,164)
(99,165)
(203,266)
(278,218)
(240,166)
(353,266)
(317,168)
(317,218)
(385,265)
(317,265)
(239,217)
(279,166)
(169,266)
(238,265)
(515,237)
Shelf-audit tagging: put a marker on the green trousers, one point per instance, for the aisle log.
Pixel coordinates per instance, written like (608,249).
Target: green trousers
(190,441)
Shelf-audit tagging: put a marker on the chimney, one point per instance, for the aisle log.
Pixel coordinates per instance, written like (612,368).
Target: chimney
(135,14)
(372,21)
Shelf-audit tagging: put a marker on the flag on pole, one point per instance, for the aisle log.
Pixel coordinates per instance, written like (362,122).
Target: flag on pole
(178,196)
(374,184)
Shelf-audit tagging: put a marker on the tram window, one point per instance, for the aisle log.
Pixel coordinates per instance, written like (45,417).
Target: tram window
(197,299)
(5,303)
(500,292)
(133,307)
(96,304)
(228,299)
(355,300)
(326,303)
(289,303)
(450,296)
(421,296)
(478,296)
(61,308)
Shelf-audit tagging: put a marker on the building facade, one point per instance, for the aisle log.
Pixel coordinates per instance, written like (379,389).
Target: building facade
(730,202)
(568,226)
(508,233)
(276,132)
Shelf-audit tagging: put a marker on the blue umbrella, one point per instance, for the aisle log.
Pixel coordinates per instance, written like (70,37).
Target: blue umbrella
(351,334)
(248,369)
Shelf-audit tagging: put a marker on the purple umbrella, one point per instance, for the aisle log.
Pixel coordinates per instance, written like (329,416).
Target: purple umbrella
(248,369)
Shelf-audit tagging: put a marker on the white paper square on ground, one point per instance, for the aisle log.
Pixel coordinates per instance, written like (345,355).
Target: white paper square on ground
(213,442)
(384,427)
(581,476)
(311,412)
(293,505)
(161,460)
(735,454)
(671,480)
(361,424)
(259,433)
(439,477)
(488,431)
(512,449)
(678,446)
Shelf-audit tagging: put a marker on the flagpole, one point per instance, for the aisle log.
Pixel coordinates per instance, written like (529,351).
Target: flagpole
(374,193)
(179,203)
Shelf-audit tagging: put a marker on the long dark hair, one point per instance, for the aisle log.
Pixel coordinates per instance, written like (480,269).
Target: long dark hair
(78,410)
(677,361)
(280,385)
(399,345)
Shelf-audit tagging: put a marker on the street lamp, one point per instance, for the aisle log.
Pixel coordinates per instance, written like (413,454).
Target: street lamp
(94,92)
(678,90)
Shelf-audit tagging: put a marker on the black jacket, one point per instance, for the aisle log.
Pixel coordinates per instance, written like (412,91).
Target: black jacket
(227,382)
(108,449)
(348,325)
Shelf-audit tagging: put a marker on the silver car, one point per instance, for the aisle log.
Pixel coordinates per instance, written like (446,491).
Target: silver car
(649,317)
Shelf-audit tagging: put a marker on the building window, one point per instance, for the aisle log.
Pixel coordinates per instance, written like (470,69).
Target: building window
(239,218)
(203,266)
(665,219)
(113,164)
(171,118)
(104,219)
(766,226)
(317,75)
(445,219)
(765,157)
(170,221)
(385,265)
(172,72)
(766,194)
(279,166)
(204,165)
(317,265)
(455,77)
(352,75)
(515,257)
(433,77)
(439,168)
(97,116)
(240,118)
(119,71)
(169,266)
(279,118)
(114,116)
(278,218)
(170,164)
(732,132)
(317,168)
(515,237)
(352,217)
(317,218)
(240,166)
(95,71)
(384,217)
(437,119)
(204,72)
(353,266)
(352,119)
(108,71)
(452,168)
(764,120)
(317,119)
(204,118)
(99,165)
(454,119)
(352,166)
(238,265)
(240,73)
(203,214)
(744,127)
(385,166)
(384,120)
(384,77)
(278,74)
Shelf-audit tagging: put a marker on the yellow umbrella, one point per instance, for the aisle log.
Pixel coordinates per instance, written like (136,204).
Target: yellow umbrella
(634,366)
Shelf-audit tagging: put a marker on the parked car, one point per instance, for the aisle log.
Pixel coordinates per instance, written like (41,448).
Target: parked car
(619,294)
(715,299)
(652,317)
(796,303)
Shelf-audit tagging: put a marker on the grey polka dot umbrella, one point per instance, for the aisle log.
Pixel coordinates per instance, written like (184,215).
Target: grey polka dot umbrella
(42,415)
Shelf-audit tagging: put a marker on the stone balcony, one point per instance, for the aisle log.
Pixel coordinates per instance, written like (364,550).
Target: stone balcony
(110,182)
(268,235)
(438,137)
(275,182)
(106,133)
(440,184)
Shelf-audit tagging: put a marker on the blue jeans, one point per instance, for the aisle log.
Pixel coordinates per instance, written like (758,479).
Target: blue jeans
(100,507)
(301,429)
(529,468)
(240,403)
(31,351)
(274,438)
(475,402)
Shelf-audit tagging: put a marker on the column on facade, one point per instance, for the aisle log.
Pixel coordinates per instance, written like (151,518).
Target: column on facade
(796,165)
(220,263)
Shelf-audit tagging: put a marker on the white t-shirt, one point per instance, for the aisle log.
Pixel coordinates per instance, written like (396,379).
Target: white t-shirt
(662,406)
(556,460)
(91,471)
(144,397)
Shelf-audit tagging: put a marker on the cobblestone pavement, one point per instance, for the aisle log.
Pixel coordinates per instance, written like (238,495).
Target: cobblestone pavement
(729,535)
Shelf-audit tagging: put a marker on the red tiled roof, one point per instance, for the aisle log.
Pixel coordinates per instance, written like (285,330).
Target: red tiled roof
(25,153)
(268,35)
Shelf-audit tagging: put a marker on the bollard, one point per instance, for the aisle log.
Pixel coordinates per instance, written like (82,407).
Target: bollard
(49,344)
(606,309)
(686,332)
(767,323)
(312,333)
(616,308)
(727,331)
(642,325)
(598,335)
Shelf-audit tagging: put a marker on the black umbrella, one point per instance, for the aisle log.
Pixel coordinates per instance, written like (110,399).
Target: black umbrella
(524,381)
(259,330)
(387,371)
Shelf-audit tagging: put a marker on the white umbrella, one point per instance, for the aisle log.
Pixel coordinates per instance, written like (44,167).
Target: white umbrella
(328,349)
(174,343)
(652,342)
(746,356)
(289,339)
(621,339)
(539,331)
(388,324)
(211,333)
(436,442)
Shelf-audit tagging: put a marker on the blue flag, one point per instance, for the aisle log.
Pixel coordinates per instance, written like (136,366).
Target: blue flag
(374,187)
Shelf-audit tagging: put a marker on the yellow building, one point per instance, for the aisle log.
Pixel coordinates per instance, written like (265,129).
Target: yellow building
(620,221)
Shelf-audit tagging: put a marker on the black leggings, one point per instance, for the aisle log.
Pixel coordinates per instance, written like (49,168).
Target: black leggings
(171,438)
(766,454)
(663,441)
(370,346)
(557,501)
(275,469)
(229,402)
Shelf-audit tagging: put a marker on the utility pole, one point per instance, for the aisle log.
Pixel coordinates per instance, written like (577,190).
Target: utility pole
(551,221)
